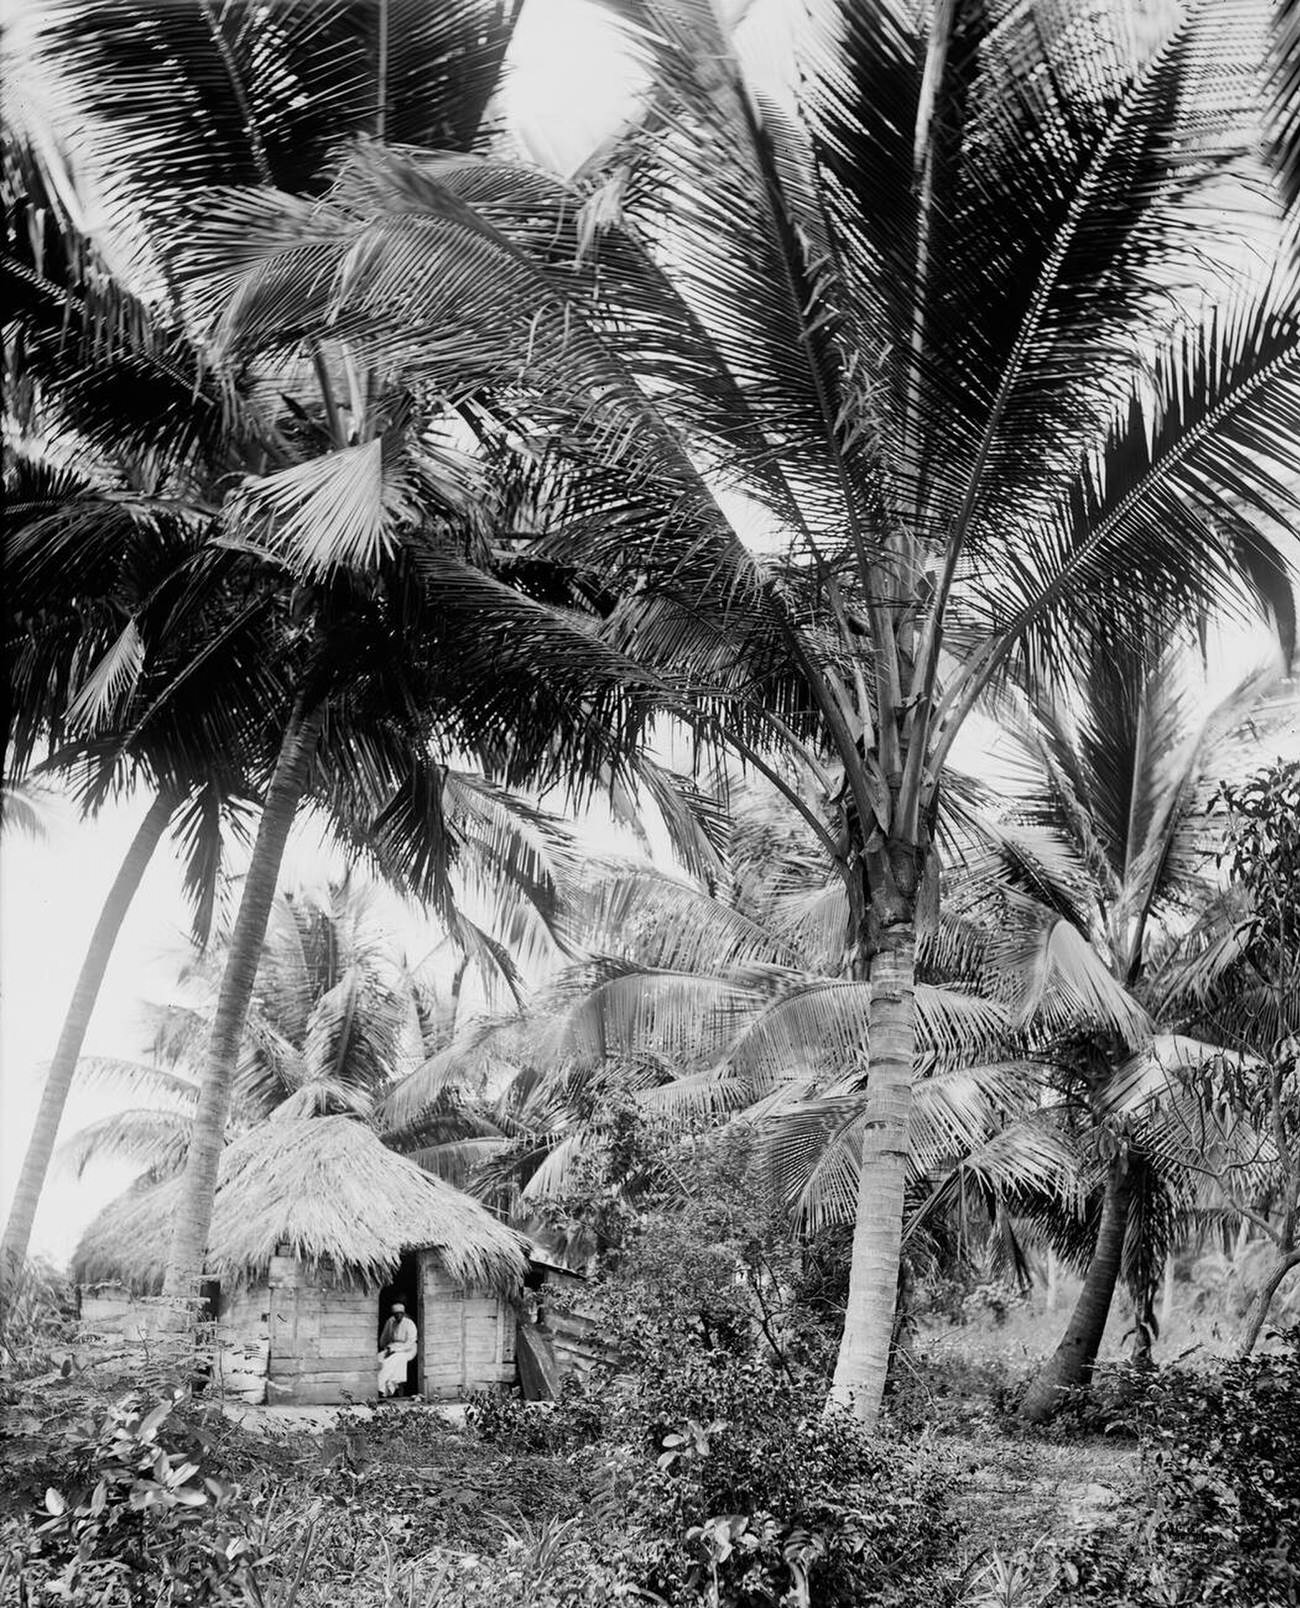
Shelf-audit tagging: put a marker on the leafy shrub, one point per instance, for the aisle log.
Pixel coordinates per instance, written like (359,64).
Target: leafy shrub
(960,1392)
(730,1487)
(139,1521)
(733,1488)
(1223,1522)
(38,1318)
(502,1418)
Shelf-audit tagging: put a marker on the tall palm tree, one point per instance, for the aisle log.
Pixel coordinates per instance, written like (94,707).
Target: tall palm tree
(356,503)
(929,307)
(120,424)
(107,482)
(949,323)
(1108,835)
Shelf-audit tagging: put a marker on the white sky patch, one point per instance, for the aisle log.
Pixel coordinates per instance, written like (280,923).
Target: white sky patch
(572,83)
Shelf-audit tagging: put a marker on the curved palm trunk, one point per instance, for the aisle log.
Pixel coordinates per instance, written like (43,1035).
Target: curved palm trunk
(189,1241)
(1259,1307)
(863,1360)
(1070,1366)
(54,1097)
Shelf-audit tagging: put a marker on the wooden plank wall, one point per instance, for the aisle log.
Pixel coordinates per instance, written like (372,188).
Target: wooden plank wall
(113,1320)
(300,1339)
(467,1335)
(322,1337)
(578,1342)
(242,1327)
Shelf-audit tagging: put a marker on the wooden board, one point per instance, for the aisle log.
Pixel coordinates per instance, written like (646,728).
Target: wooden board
(539,1377)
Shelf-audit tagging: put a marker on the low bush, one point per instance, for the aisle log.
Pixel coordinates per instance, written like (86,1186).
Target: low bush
(503,1419)
(967,1392)
(1222,1523)
(131,1515)
(762,1499)
(38,1318)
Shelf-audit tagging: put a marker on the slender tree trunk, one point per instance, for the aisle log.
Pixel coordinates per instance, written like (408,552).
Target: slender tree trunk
(54,1097)
(1070,1367)
(189,1240)
(1167,1296)
(1285,1261)
(863,1362)
(1053,1280)
(1146,1326)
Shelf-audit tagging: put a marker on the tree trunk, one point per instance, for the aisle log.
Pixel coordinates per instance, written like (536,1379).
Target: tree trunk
(1053,1280)
(1146,1327)
(1285,1261)
(1070,1367)
(54,1097)
(189,1239)
(1167,1296)
(863,1361)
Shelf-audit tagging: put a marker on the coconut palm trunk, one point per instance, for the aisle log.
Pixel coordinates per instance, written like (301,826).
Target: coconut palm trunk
(54,1097)
(863,1360)
(194,1213)
(1072,1362)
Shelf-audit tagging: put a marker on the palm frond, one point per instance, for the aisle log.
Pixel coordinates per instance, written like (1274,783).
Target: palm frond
(1053,975)
(334,510)
(149,1139)
(1286,83)
(158,1083)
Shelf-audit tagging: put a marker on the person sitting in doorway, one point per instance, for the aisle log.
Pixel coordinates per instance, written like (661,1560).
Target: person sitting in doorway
(397,1345)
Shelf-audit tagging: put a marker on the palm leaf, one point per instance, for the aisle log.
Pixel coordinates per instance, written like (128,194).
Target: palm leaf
(146,1138)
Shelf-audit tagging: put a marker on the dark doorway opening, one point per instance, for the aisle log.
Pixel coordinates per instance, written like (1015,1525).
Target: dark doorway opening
(405,1288)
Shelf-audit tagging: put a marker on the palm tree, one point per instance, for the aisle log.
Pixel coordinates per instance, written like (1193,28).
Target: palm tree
(921,312)
(338,1018)
(195,96)
(334,1017)
(354,463)
(697,1008)
(92,536)
(1109,837)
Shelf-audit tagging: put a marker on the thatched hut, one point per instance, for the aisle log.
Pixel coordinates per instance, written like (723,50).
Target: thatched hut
(316,1228)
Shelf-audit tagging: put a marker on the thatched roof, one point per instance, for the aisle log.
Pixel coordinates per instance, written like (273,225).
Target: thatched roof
(325,1186)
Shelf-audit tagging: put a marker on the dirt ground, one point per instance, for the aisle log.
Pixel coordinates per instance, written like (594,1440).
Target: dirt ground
(1017,1494)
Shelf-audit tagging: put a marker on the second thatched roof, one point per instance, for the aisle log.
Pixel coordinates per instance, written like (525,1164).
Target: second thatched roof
(325,1187)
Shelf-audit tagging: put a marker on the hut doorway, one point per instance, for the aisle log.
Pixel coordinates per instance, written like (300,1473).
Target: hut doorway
(405,1287)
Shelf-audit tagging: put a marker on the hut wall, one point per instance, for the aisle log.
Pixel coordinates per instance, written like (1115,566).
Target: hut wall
(577,1341)
(245,1344)
(122,1326)
(321,1336)
(112,1313)
(467,1335)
